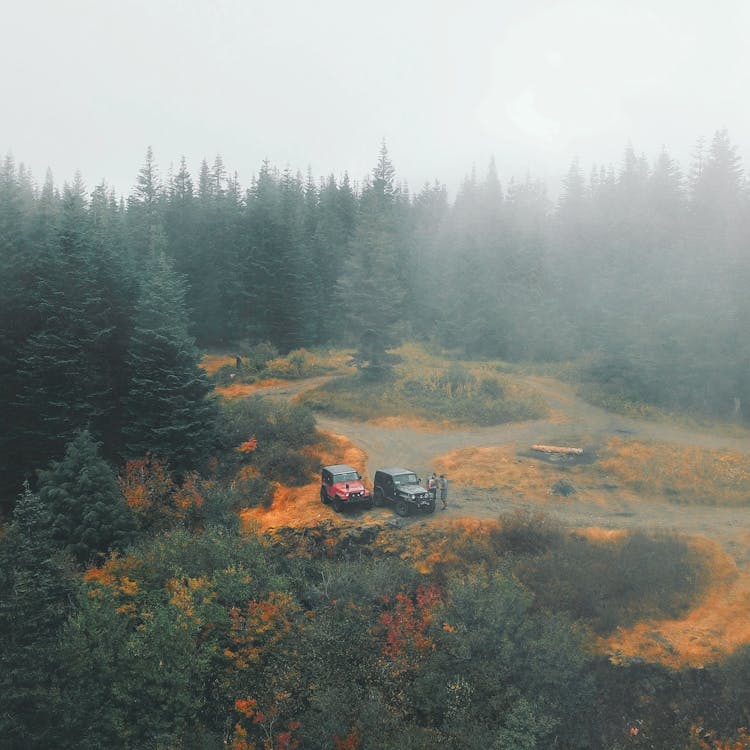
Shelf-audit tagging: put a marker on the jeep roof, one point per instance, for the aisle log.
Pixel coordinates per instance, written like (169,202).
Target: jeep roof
(338,468)
(396,470)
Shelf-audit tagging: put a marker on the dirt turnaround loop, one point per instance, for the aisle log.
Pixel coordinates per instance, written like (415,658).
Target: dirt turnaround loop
(492,472)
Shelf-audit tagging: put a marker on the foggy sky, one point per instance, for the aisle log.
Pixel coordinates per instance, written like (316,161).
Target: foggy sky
(90,84)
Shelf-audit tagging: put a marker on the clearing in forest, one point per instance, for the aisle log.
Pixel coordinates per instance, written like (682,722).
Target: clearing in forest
(635,475)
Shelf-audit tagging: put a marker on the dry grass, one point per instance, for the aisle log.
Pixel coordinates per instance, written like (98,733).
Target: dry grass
(212,363)
(300,507)
(243,390)
(673,473)
(600,535)
(302,363)
(431,392)
(500,469)
(684,474)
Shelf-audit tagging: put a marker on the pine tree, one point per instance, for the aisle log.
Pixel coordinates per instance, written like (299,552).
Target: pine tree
(209,255)
(145,223)
(36,593)
(335,221)
(276,275)
(16,320)
(431,278)
(718,200)
(70,363)
(88,514)
(167,411)
(375,283)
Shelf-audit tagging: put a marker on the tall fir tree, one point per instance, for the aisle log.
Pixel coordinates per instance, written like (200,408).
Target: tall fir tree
(167,410)
(88,513)
(19,271)
(144,215)
(36,595)
(70,363)
(375,283)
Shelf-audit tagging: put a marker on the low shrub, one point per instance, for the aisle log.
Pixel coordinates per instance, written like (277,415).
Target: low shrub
(612,584)
(525,533)
(229,374)
(299,363)
(258,355)
(270,422)
(351,397)
(260,441)
(455,395)
(289,467)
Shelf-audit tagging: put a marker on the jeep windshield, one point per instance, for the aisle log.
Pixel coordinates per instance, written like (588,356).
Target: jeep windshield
(347,476)
(400,479)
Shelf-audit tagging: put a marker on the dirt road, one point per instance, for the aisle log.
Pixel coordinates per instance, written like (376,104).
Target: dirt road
(572,421)
(714,628)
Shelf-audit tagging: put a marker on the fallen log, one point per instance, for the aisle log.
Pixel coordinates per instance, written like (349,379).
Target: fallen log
(557,449)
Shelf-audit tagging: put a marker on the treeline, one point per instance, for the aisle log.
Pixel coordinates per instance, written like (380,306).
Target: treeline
(93,335)
(639,272)
(641,266)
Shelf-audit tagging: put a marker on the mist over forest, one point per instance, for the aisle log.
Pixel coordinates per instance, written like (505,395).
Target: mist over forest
(638,272)
(170,575)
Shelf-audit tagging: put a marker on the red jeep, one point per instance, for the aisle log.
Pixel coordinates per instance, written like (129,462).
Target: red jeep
(342,486)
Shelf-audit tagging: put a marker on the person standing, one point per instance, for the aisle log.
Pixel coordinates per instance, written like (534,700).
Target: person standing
(432,486)
(444,490)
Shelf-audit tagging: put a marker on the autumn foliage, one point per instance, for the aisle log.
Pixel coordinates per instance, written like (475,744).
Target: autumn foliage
(255,728)
(258,627)
(156,499)
(406,623)
(704,740)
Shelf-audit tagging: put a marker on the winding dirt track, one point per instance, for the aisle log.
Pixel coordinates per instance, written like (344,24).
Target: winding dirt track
(572,421)
(717,625)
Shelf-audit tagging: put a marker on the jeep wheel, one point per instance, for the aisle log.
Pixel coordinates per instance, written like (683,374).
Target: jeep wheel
(324,497)
(368,503)
(402,508)
(338,505)
(431,507)
(378,499)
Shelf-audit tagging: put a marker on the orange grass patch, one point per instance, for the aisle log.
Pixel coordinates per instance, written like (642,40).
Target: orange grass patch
(684,473)
(712,630)
(338,449)
(300,507)
(242,390)
(212,363)
(415,423)
(498,467)
(598,534)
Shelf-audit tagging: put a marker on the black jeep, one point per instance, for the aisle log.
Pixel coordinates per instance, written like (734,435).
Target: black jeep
(402,488)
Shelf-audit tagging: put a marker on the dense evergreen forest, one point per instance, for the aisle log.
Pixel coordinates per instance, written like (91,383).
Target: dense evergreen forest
(133,612)
(639,272)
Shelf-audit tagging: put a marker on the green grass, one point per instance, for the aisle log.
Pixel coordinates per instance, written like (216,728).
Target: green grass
(425,387)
